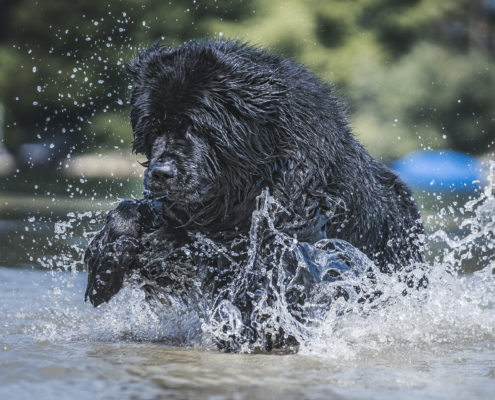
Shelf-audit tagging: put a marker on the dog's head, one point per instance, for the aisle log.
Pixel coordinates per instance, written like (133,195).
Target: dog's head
(180,163)
(218,120)
(201,114)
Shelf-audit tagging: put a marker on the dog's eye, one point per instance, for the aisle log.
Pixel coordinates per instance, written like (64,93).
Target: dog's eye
(145,164)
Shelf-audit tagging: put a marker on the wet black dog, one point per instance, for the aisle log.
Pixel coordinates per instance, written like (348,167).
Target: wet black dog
(219,122)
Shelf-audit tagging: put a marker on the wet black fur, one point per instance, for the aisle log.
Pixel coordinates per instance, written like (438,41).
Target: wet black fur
(231,120)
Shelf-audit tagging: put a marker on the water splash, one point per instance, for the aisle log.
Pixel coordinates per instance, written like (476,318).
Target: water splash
(285,288)
(455,310)
(248,309)
(478,223)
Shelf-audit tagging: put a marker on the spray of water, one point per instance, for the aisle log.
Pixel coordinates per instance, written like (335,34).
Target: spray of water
(203,294)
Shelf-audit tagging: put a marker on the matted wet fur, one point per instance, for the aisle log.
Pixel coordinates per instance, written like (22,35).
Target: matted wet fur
(219,122)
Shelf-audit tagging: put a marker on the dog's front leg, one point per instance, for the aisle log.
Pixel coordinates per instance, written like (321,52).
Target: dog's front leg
(114,251)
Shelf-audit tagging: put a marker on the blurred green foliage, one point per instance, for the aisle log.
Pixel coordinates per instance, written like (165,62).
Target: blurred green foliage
(416,73)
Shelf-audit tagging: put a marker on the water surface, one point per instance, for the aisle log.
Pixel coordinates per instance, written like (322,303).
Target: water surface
(437,343)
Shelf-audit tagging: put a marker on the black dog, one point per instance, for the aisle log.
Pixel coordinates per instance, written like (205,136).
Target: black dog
(222,123)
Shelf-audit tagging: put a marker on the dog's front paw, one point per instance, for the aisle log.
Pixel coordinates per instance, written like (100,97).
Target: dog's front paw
(108,265)
(114,251)
(125,221)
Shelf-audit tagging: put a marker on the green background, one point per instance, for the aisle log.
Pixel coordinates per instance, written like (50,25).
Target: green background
(415,73)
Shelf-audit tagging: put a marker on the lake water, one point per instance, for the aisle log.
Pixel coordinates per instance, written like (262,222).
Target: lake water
(433,344)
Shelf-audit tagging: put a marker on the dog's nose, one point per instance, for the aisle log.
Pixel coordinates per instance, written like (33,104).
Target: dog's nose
(165,171)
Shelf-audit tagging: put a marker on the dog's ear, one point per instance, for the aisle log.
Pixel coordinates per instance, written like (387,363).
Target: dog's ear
(134,66)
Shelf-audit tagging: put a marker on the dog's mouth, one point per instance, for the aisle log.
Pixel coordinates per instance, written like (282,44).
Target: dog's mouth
(175,191)
(155,189)
(158,190)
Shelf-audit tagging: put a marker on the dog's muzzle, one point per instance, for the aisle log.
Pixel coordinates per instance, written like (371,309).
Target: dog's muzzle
(163,171)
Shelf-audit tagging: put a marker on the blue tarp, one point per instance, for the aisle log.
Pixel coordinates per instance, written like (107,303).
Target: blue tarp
(445,170)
